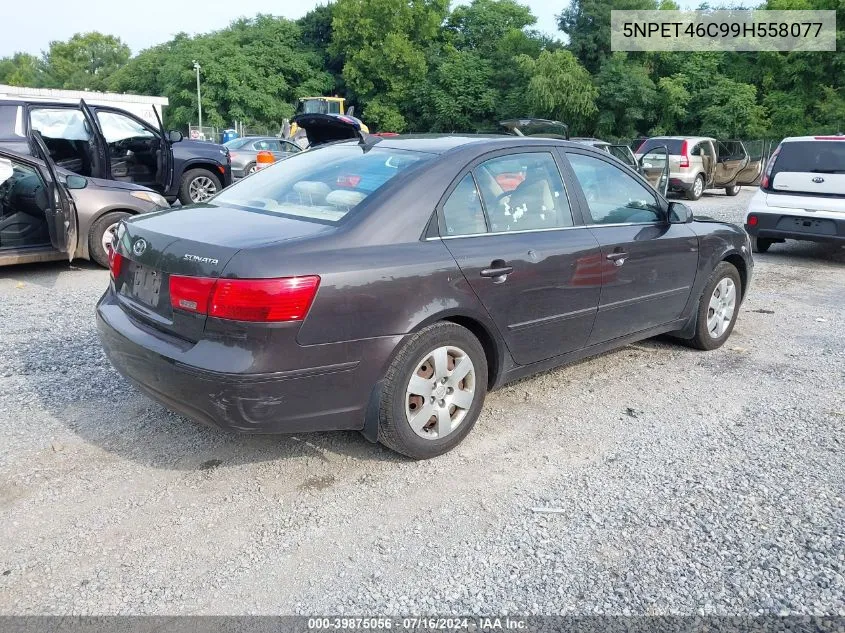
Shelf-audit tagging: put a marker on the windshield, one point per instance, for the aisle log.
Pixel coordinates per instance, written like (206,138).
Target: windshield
(322,185)
(674,145)
(235,143)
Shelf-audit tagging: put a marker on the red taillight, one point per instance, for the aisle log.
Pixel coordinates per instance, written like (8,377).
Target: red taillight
(115,263)
(752,220)
(284,299)
(766,180)
(684,156)
(190,293)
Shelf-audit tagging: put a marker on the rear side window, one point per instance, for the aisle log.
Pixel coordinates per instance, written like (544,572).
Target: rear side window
(673,144)
(11,123)
(462,213)
(322,185)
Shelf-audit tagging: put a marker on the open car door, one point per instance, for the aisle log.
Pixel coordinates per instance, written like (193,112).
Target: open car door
(731,160)
(751,173)
(101,163)
(654,166)
(624,153)
(164,176)
(61,214)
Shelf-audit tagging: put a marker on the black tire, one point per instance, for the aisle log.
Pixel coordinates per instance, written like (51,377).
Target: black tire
(248,168)
(760,245)
(733,191)
(96,251)
(189,176)
(691,192)
(394,430)
(703,339)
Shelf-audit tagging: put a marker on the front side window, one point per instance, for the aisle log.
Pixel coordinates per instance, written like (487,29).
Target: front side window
(523,192)
(462,213)
(119,127)
(613,196)
(323,185)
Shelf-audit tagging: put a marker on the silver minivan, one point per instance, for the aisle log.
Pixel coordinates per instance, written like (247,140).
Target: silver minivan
(697,163)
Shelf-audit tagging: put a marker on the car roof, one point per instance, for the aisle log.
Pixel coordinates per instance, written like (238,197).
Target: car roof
(442,143)
(821,137)
(681,138)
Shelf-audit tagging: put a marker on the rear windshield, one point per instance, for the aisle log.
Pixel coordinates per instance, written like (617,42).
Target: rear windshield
(823,157)
(322,185)
(673,144)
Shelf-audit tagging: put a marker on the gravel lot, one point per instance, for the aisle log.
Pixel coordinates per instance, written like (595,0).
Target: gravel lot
(686,482)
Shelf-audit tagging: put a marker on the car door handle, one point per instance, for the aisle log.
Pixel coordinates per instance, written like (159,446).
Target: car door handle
(498,271)
(617,258)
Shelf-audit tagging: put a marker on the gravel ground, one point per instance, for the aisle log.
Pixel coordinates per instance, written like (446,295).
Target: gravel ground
(683,482)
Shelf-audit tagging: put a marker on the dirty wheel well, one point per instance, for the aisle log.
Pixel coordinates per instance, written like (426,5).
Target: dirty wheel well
(491,350)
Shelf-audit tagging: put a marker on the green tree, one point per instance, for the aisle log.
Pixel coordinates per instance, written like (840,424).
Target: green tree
(21,69)
(84,62)
(383,44)
(732,111)
(626,98)
(558,87)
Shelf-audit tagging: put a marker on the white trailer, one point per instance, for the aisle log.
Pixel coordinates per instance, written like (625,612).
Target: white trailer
(139,105)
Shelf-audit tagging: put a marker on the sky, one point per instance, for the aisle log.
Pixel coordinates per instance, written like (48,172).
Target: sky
(149,22)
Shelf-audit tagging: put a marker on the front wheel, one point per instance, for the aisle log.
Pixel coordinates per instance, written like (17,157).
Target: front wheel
(198,185)
(718,307)
(433,391)
(100,236)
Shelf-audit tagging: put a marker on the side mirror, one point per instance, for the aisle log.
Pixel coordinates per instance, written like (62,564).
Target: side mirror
(74,181)
(174,136)
(679,213)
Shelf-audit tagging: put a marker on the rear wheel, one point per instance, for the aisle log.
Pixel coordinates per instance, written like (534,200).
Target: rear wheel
(718,307)
(760,245)
(697,189)
(250,169)
(434,391)
(100,236)
(732,191)
(198,185)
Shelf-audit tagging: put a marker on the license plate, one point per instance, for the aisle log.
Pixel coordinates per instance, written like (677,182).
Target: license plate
(146,284)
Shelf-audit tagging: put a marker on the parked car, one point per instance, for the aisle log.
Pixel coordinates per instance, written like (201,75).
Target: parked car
(697,163)
(244,152)
(47,213)
(385,284)
(653,164)
(802,194)
(112,144)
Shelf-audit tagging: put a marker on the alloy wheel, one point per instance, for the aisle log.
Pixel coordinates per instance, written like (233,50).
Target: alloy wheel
(201,189)
(440,392)
(698,187)
(721,309)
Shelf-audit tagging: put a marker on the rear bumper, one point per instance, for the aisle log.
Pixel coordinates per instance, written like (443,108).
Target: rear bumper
(797,227)
(677,184)
(331,396)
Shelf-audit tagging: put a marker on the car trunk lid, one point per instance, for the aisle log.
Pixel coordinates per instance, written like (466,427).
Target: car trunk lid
(810,183)
(155,247)
(327,128)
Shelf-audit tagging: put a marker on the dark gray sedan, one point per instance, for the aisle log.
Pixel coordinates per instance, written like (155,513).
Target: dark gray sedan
(385,285)
(244,152)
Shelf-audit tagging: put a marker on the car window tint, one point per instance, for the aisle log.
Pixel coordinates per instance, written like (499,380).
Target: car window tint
(523,192)
(462,213)
(622,153)
(674,145)
(323,185)
(613,196)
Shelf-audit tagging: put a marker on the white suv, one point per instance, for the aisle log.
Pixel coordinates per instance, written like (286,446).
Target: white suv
(801,195)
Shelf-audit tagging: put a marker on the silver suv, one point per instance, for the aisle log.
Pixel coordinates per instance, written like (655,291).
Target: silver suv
(697,163)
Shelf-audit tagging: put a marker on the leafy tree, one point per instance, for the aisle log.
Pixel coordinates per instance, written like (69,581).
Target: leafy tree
(559,87)
(382,42)
(626,98)
(732,111)
(20,69)
(84,62)
(671,105)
